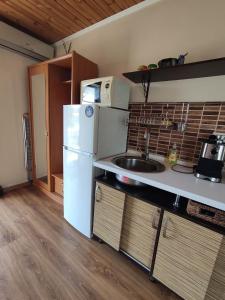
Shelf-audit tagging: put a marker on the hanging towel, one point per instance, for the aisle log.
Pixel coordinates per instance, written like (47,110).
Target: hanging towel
(27,146)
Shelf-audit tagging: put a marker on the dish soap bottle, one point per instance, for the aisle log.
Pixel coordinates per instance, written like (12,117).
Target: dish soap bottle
(172,157)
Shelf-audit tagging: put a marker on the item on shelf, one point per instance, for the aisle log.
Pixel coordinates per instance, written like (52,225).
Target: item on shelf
(181,58)
(171,62)
(172,157)
(154,119)
(211,161)
(180,126)
(207,213)
(152,66)
(168,62)
(142,68)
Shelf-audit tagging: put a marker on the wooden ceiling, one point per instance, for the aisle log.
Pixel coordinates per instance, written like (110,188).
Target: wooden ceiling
(52,20)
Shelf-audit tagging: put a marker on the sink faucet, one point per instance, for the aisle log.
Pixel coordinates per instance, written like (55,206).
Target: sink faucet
(147,139)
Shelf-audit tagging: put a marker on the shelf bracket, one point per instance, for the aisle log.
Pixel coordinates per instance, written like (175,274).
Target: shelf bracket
(146,85)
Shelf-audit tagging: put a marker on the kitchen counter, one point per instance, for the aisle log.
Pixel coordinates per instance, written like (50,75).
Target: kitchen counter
(186,185)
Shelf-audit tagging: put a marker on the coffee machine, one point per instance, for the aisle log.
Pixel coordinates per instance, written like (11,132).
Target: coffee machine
(211,160)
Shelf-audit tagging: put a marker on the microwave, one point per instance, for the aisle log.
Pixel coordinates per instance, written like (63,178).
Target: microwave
(106,91)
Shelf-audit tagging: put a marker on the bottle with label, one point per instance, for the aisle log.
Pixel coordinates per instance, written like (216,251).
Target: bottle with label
(172,157)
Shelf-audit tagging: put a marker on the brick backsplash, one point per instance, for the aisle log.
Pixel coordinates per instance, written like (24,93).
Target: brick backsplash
(202,120)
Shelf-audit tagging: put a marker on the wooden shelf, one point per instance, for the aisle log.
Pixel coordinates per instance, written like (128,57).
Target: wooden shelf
(58,183)
(62,61)
(58,176)
(206,68)
(67,82)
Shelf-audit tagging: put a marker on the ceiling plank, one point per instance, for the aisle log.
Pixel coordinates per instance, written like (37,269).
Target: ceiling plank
(52,20)
(43,14)
(113,5)
(15,16)
(54,9)
(82,21)
(83,15)
(99,6)
(84,6)
(26,8)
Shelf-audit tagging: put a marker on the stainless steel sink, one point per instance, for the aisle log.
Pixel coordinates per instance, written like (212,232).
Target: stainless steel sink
(136,164)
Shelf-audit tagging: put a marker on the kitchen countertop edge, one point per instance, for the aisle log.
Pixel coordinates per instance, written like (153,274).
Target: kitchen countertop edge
(185,185)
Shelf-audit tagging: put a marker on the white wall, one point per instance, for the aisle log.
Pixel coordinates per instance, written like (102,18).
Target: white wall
(23,40)
(164,29)
(13,103)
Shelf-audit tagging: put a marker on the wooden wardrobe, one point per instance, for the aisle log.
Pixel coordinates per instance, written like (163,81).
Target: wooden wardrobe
(52,84)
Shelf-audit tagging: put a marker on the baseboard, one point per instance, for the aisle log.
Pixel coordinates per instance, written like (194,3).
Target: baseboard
(17,186)
(54,196)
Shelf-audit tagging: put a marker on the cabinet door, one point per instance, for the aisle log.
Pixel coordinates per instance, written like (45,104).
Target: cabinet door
(139,229)
(186,256)
(216,288)
(108,214)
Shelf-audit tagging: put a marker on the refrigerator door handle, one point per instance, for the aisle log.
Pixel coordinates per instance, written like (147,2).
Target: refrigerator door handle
(77,151)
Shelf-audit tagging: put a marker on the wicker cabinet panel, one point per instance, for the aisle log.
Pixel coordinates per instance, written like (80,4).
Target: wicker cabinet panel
(186,257)
(108,214)
(139,229)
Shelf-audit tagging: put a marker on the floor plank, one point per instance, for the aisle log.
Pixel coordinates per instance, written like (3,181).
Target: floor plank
(43,257)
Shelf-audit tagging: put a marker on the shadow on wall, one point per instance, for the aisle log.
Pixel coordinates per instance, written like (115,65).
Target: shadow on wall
(210,89)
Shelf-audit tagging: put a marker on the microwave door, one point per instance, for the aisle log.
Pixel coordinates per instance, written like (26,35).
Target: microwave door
(92,93)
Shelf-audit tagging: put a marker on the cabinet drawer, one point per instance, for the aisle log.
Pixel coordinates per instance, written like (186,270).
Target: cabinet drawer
(186,256)
(108,214)
(139,229)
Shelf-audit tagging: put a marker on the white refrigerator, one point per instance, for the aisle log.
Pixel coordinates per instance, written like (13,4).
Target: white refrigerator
(91,132)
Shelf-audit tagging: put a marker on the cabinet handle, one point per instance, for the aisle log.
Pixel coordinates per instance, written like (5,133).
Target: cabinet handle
(154,226)
(165,227)
(96,190)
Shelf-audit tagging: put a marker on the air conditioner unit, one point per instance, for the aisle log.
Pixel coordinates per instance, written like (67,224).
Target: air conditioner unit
(23,43)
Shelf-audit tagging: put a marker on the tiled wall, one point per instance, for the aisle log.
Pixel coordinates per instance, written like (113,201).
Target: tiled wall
(202,120)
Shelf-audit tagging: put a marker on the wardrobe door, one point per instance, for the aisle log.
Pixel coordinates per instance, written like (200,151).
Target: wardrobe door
(39,124)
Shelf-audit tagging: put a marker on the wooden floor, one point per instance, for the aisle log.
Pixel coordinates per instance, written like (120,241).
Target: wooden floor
(43,257)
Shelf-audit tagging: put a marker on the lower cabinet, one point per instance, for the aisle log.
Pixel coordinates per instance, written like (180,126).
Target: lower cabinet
(190,259)
(125,223)
(108,214)
(186,257)
(216,288)
(139,230)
